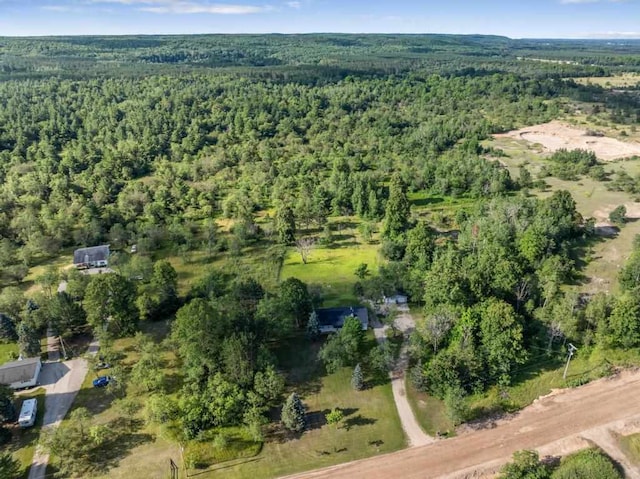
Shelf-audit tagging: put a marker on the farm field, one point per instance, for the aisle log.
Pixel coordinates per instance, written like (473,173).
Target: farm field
(616,81)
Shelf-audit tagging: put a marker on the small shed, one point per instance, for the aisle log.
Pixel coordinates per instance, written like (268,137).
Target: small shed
(93,257)
(20,374)
(331,319)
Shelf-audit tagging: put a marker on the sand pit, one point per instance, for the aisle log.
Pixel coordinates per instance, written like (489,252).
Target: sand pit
(556,135)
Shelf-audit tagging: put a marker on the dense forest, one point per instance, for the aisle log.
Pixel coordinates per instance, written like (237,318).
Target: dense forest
(227,143)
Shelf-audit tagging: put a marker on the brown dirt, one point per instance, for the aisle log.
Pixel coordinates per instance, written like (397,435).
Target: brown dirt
(556,424)
(556,135)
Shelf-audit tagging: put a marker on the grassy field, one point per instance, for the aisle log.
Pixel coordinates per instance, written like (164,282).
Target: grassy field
(371,426)
(23,444)
(630,445)
(429,411)
(8,352)
(617,81)
(333,269)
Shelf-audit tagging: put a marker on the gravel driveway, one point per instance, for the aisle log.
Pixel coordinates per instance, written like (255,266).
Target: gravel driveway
(405,323)
(61,381)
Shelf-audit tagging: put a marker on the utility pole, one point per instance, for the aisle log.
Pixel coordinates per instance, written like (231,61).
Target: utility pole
(64,351)
(572,349)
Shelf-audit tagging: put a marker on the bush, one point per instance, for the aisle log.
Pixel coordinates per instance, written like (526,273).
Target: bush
(618,216)
(587,464)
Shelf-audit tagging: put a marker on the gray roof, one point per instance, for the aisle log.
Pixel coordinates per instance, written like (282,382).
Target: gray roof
(18,371)
(335,316)
(88,255)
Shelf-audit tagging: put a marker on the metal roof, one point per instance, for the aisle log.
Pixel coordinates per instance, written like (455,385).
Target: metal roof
(18,371)
(89,255)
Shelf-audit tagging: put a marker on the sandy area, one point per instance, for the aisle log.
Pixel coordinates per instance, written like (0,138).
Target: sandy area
(556,135)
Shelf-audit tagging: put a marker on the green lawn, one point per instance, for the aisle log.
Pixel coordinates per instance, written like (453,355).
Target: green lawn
(333,269)
(8,352)
(429,411)
(23,444)
(371,426)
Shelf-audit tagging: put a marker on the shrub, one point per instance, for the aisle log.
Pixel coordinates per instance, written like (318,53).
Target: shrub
(586,464)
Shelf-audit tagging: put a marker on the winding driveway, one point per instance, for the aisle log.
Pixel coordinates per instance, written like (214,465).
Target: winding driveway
(405,323)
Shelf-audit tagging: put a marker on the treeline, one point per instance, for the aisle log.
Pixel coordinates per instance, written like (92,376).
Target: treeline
(387,54)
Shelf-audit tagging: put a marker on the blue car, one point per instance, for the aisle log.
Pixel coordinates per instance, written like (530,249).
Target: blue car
(101,382)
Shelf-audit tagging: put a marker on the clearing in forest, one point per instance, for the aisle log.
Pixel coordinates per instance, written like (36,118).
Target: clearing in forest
(556,135)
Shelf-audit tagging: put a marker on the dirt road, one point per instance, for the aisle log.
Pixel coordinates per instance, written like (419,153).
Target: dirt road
(415,435)
(590,410)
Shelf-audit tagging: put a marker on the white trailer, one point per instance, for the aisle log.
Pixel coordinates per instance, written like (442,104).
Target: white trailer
(28,413)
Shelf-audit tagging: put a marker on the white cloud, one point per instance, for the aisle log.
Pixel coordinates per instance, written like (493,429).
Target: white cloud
(294,4)
(614,35)
(56,8)
(193,7)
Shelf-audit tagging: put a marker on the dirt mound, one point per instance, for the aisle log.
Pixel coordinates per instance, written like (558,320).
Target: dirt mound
(556,135)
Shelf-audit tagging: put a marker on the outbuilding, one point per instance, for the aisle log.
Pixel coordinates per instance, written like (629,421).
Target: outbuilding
(21,374)
(93,257)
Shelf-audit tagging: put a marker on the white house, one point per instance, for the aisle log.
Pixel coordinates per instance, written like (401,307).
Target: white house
(21,374)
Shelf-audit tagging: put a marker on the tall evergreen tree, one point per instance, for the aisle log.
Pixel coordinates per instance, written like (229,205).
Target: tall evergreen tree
(396,217)
(7,329)
(313,326)
(28,341)
(357,381)
(293,417)
(285,225)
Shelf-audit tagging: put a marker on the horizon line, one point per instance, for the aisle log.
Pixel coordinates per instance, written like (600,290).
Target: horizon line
(593,37)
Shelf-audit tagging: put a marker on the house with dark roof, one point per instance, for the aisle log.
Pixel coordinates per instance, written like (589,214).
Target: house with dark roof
(93,257)
(20,374)
(331,320)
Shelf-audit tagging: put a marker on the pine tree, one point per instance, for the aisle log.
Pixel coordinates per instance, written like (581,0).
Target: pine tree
(313,326)
(293,417)
(396,217)
(28,341)
(285,225)
(357,381)
(7,329)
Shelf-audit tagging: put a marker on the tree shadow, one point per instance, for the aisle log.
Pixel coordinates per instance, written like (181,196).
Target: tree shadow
(316,419)
(358,420)
(426,201)
(298,357)
(124,438)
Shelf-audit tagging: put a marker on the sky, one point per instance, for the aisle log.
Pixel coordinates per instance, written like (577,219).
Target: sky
(513,18)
